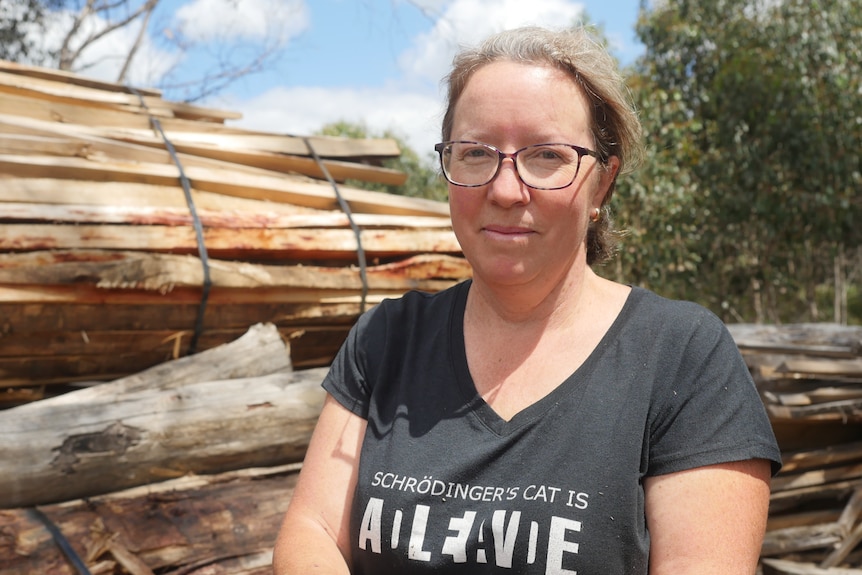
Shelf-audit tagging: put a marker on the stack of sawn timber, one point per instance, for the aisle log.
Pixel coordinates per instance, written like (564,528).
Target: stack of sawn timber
(101,269)
(810,379)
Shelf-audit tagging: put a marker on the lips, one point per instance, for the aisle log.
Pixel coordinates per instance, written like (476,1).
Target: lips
(507,230)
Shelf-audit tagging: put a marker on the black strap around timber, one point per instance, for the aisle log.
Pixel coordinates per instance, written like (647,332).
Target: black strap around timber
(345,207)
(199,231)
(61,541)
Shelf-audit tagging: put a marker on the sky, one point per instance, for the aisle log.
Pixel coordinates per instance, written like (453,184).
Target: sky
(377,63)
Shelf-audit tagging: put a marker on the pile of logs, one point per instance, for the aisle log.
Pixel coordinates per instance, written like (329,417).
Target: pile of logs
(134,230)
(186,467)
(810,378)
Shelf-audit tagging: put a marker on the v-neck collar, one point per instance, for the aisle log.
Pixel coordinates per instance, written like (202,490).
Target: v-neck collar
(481,409)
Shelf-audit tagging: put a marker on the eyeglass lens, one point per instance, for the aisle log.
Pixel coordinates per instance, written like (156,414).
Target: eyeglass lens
(539,166)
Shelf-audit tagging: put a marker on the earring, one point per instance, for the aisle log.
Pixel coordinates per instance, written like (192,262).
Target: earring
(596,215)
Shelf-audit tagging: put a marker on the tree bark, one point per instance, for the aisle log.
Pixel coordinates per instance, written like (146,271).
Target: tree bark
(232,407)
(224,524)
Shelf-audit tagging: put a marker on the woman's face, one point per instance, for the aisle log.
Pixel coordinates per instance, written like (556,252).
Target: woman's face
(510,233)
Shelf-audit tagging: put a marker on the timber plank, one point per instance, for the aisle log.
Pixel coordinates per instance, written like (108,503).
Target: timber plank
(65,77)
(257,215)
(163,272)
(27,318)
(33,137)
(817,477)
(785,567)
(828,455)
(251,244)
(188,131)
(130,194)
(283,188)
(87,294)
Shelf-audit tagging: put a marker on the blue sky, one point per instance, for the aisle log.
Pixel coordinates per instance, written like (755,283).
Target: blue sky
(372,62)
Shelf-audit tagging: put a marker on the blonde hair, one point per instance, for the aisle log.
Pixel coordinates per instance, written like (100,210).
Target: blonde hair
(614,122)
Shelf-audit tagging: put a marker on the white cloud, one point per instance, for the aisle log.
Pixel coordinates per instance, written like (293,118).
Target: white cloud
(303,111)
(410,106)
(206,20)
(466,22)
(105,58)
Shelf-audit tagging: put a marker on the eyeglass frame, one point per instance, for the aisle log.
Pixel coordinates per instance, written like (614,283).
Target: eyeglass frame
(501,155)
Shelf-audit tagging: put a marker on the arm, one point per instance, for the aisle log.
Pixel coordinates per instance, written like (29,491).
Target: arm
(314,536)
(708,520)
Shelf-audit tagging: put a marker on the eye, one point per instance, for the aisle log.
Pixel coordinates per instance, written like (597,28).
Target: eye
(548,155)
(473,154)
(476,152)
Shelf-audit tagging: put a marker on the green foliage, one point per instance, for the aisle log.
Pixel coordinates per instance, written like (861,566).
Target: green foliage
(423,178)
(21,26)
(753,119)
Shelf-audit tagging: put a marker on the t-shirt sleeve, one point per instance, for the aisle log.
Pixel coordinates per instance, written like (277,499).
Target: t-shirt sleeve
(348,379)
(708,410)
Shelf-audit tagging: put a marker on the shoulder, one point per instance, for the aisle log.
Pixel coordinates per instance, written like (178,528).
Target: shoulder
(673,320)
(414,306)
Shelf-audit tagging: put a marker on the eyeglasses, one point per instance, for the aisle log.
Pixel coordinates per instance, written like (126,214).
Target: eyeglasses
(540,166)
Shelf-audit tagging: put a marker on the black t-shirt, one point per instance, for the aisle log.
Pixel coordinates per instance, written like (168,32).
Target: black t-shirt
(447,486)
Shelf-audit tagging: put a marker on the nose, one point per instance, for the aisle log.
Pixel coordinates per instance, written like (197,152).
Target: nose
(507,188)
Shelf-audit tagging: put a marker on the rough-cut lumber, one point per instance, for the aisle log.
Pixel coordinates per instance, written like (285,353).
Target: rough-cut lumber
(784,567)
(132,126)
(50,89)
(163,272)
(245,243)
(26,136)
(795,539)
(829,455)
(221,524)
(201,413)
(69,78)
(260,217)
(277,188)
(87,167)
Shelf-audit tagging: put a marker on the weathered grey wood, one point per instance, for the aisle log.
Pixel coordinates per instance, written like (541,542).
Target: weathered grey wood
(224,524)
(795,539)
(829,455)
(784,567)
(227,408)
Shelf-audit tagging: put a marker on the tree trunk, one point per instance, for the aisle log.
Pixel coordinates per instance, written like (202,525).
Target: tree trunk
(224,524)
(235,406)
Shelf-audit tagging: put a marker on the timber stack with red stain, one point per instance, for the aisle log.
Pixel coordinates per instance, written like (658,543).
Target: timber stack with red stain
(101,268)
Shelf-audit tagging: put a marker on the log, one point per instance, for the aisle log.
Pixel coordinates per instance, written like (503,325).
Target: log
(160,423)
(784,567)
(224,523)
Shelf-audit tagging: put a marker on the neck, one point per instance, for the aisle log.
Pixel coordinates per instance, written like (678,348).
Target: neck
(539,302)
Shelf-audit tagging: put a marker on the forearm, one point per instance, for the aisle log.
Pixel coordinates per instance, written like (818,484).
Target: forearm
(303,549)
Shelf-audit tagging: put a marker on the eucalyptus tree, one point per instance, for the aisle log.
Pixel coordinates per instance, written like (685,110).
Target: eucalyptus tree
(753,117)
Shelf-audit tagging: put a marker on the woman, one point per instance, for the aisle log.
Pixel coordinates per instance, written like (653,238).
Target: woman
(539,418)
